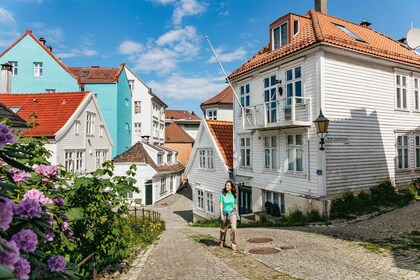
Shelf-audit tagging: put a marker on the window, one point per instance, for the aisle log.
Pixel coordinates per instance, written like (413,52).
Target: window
(280,36)
(14,67)
(245,147)
(73,161)
(137,107)
(69,161)
(169,158)
(401,91)
(206,159)
(137,128)
(101,131)
(37,69)
(76,128)
(212,114)
(294,84)
(101,157)
(348,32)
(84,74)
(245,95)
(90,124)
(277,198)
(417,151)
(171,183)
(295,27)
(402,152)
(416,94)
(79,161)
(295,153)
(159,158)
(131,84)
(200,199)
(210,203)
(163,185)
(270,98)
(270,152)
(50,90)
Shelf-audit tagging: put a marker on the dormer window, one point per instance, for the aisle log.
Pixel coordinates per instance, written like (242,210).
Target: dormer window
(84,74)
(169,158)
(348,32)
(295,27)
(280,36)
(159,159)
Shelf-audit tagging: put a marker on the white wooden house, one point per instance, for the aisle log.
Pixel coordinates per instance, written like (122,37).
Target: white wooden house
(366,84)
(73,124)
(210,166)
(158,172)
(220,106)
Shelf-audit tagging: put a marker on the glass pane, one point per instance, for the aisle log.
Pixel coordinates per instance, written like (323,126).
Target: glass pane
(266,95)
(404,81)
(242,142)
(274,159)
(273,141)
(299,160)
(289,90)
(398,98)
(290,139)
(242,90)
(299,139)
(247,100)
(266,82)
(399,158)
(276,198)
(276,37)
(289,75)
(399,140)
(273,94)
(248,157)
(417,158)
(242,157)
(247,88)
(266,142)
(248,142)
(405,158)
(417,140)
(298,73)
(404,98)
(290,159)
(273,80)
(398,80)
(416,97)
(416,83)
(405,140)
(267,158)
(284,37)
(242,102)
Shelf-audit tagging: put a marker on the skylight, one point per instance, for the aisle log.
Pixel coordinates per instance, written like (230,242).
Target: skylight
(84,74)
(15,109)
(348,32)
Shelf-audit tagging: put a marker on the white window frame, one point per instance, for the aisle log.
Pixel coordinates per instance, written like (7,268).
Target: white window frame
(211,114)
(200,199)
(206,159)
(131,84)
(101,130)
(416,93)
(417,150)
(171,183)
(246,152)
(291,84)
(76,128)
(402,152)
(209,202)
(275,197)
(69,161)
(280,42)
(74,160)
(159,158)
(14,67)
(271,154)
(245,92)
(38,66)
(137,128)
(137,107)
(270,97)
(169,158)
(90,123)
(401,89)
(293,150)
(163,189)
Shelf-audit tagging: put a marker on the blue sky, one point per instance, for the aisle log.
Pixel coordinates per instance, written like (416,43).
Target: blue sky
(163,41)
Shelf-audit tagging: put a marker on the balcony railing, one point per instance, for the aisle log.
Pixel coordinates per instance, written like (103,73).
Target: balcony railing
(285,112)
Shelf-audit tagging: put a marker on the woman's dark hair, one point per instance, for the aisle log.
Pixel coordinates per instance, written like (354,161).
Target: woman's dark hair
(233,190)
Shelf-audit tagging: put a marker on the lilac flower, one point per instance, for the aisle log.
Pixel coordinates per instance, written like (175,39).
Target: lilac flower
(5,136)
(29,208)
(64,226)
(26,239)
(49,233)
(38,196)
(47,171)
(22,269)
(19,175)
(69,232)
(50,219)
(59,201)
(64,217)
(9,258)
(6,213)
(56,264)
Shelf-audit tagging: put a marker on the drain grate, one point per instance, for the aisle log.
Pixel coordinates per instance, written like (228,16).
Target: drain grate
(260,240)
(286,247)
(264,251)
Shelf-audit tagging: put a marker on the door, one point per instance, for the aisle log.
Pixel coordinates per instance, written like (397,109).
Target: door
(149,192)
(245,199)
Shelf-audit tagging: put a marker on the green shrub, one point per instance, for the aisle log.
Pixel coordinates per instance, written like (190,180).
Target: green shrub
(314,216)
(296,217)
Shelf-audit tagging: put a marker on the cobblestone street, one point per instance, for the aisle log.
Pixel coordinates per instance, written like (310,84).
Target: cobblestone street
(185,252)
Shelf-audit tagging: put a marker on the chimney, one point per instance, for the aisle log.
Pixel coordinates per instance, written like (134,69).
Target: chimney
(42,40)
(321,6)
(6,78)
(94,66)
(365,23)
(403,40)
(50,47)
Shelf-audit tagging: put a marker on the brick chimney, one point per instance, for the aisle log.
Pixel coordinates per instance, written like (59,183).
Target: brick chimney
(321,6)
(42,40)
(6,78)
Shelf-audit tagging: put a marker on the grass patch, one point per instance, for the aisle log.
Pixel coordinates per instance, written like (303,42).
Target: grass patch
(376,248)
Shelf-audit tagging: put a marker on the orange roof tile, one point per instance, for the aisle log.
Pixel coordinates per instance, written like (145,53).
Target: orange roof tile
(175,134)
(222,132)
(97,75)
(53,110)
(137,153)
(318,28)
(29,32)
(224,97)
(180,115)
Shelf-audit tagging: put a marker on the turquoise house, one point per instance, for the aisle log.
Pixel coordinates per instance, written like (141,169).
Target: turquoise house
(36,69)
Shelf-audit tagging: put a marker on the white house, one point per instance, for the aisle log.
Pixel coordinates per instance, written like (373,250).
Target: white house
(158,172)
(220,106)
(148,111)
(210,166)
(72,122)
(189,122)
(366,84)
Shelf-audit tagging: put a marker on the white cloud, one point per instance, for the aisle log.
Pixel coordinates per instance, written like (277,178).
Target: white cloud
(238,54)
(130,47)
(188,33)
(6,16)
(77,52)
(183,88)
(185,8)
(163,2)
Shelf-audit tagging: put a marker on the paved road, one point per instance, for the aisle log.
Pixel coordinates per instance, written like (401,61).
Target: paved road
(185,252)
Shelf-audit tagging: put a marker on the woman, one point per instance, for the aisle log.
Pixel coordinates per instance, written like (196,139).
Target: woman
(228,211)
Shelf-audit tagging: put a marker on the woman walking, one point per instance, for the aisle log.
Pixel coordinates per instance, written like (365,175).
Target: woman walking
(228,212)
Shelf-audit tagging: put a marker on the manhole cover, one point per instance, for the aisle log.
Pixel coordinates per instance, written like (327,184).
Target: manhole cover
(286,247)
(264,251)
(260,240)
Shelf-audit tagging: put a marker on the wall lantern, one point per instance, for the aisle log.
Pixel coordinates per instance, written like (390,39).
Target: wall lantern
(321,124)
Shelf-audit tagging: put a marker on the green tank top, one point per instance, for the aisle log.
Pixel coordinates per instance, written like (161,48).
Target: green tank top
(228,201)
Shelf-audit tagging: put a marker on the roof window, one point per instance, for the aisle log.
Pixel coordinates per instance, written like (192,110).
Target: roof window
(84,74)
(280,36)
(348,32)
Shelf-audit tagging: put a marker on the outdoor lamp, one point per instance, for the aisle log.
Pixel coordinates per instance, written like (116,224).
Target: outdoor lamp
(321,124)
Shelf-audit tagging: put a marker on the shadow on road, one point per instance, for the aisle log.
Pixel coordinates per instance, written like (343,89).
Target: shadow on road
(187,215)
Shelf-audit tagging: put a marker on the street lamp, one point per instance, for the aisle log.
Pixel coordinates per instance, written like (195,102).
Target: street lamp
(321,124)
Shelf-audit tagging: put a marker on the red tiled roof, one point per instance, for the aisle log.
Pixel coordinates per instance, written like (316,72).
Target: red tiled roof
(180,115)
(318,28)
(222,132)
(137,153)
(175,134)
(224,97)
(53,110)
(98,75)
(29,32)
